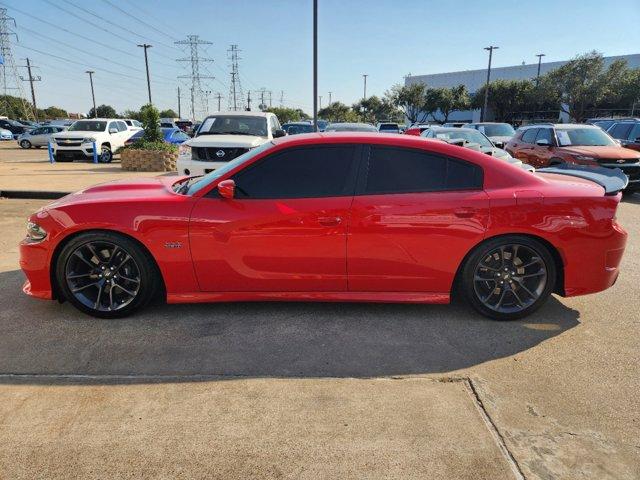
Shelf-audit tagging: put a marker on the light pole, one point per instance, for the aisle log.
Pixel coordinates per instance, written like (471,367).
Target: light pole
(365,86)
(320,102)
(93,97)
(315,65)
(539,55)
(491,48)
(146,63)
(329,98)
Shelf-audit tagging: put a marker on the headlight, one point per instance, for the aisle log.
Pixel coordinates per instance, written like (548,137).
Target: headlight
(35,232)
(184,151)
(88,140)
(584,158)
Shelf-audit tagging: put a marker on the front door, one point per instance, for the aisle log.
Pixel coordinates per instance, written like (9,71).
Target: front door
(413,219)
(286,228)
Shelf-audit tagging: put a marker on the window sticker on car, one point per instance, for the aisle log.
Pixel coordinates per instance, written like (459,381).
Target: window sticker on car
(563,138)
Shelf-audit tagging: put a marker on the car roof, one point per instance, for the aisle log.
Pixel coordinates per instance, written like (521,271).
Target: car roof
(558,125)
(242,113)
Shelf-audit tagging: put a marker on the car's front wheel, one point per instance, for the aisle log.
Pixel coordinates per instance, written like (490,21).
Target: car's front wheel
(105,274)
(509,277)
(25,144)
(106,155)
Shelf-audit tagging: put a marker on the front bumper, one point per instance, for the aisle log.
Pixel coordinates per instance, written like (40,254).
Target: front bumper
(34,261)
(188,166)
(84,150)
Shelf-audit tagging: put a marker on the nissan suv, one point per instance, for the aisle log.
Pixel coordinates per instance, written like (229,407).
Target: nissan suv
(545,145)
(223,137)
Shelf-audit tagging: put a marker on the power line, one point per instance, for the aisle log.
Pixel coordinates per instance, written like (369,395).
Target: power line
(8,63)
(197,93)
(32,79)
(138,20)
(235,89)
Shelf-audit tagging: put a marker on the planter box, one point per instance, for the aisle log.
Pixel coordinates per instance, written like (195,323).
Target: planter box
(148,160)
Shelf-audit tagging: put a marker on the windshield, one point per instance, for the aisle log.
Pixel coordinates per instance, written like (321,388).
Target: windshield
(592,137)
(295,129)
(497,130)
(205,180)
(351,127)
(468,135)
(234,125)
(389,127)
(88,126)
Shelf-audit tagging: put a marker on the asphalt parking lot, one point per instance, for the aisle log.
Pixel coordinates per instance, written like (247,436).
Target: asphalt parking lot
(308,390)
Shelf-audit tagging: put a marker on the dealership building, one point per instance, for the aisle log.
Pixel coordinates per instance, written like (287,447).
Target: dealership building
(475,79)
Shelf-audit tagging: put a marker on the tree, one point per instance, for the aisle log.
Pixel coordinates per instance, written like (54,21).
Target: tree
(52,113)
(104,111)
(374,109)
(151,123)
(410,99)
(338,112)
(168,113)
(15,107)
(286,115)
(451,100)
(133,114)
(507,98)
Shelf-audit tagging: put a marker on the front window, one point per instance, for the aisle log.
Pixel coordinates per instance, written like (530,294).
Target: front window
(468,135)
(591,137)
(497,130)
(234,125)
(88,126)
(201,182)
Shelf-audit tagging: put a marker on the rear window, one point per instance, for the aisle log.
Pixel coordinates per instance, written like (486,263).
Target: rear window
(400,170)
(529,136)
(621,130)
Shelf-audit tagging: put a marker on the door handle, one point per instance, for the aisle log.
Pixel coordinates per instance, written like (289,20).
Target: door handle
(329,221)
(464,212)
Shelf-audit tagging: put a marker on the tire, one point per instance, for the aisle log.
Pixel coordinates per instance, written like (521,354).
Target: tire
(106,275)
(508,277)
(106,155)
(25,144)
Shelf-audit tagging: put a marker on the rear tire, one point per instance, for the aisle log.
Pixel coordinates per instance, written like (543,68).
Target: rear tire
(25,144)
(106,275)
(508,277)
(106,155)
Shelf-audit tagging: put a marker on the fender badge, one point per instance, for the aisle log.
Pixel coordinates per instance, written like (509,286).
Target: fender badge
(173,245)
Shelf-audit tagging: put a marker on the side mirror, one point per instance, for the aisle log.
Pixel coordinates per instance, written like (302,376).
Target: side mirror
(543,142)
(113,130)
(227,188)
(279,133)
(499,144)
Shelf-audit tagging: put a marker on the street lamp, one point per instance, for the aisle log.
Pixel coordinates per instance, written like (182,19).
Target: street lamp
(490,48)
(146,63)
(539,55)
(93,97)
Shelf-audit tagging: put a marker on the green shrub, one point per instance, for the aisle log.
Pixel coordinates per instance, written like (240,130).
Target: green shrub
(160,146)
(151,124)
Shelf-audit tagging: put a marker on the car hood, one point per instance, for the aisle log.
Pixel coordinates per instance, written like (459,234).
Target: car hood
(232,141)
(601,151)
(74,134)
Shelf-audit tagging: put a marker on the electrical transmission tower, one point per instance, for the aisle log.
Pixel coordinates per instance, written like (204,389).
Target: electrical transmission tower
(199,99)
(236,96)
(11,82)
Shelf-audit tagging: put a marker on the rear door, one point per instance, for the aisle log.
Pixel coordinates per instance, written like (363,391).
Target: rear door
(414,217)
(540,155)
(523,148)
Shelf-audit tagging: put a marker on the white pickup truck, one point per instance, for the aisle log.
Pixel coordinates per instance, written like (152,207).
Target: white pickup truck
(225,136)
(108,134)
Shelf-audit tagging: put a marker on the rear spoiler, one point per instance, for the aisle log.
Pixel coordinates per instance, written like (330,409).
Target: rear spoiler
(612,180)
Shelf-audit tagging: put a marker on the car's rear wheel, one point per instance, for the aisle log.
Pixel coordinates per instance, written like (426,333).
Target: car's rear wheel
(25,144)
(509,277)
(105,274)
(106,155)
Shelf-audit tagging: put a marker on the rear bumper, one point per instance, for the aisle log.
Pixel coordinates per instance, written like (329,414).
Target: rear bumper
(593,265)
(34,261)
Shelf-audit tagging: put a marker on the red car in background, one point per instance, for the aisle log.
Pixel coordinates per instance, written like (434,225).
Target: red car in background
(332,217)
(417,129)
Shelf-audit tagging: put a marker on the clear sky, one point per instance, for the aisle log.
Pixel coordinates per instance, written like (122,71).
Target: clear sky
(385,39)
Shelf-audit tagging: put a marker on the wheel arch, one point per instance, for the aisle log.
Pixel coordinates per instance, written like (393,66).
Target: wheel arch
(555,253)
(61,244)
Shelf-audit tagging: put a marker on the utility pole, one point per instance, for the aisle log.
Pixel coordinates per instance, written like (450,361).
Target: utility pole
(281,98)
(315,65)
(179,111)
(329,98)
(93,96)
(483,113)
(248,100)
(269,98)
(320,102)
(32,79)
(365,86)
(9,67)
(146,64)
(539,55)
(197,92)
(219,98)
(236,95)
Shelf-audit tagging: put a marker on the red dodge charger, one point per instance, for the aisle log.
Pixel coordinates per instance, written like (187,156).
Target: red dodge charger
(333,217)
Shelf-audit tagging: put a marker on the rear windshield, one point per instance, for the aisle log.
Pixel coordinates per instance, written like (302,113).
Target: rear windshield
(389,127)
(498,130)
(583,136)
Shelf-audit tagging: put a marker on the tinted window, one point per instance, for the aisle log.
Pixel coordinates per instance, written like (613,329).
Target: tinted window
(300,173)
(635,133)
(621,130)
(396,170)
(529,136)
(122,126)
(545,134)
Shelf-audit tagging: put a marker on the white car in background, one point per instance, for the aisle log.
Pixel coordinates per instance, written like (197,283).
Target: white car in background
(39,136)
(133,125)
(5,134)
(223,137)
(498,133)
(108,134)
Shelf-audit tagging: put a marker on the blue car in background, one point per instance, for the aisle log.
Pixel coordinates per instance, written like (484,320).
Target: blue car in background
(171,135)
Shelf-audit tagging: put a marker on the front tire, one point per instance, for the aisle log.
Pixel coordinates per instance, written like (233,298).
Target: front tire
(508,277)
(26,144)
(106,155)
(106,275)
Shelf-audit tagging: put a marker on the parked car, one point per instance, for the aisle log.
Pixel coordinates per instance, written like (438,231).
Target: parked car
(109,135)
(171,135)
(223,137)
(29,123)
(133,125)
(294,128)
(350,127)
(473,139)
(547,144)
(388,127)
(417,128)
(38,137)
(5,134)
(627,132)
(185,125)
(605,123)
(15,127)
(454,124)
(498,133)
(168,123)
(420,217)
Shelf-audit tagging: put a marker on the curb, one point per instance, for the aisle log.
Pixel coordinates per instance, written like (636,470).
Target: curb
(32,194)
